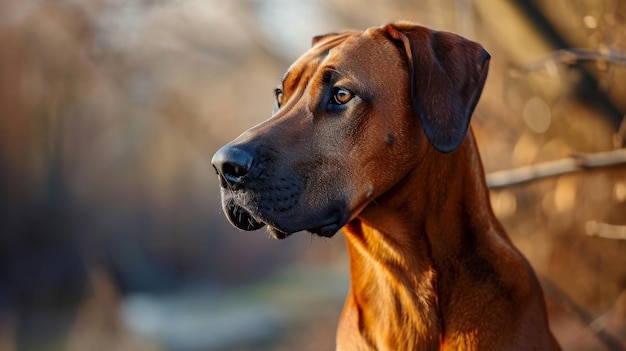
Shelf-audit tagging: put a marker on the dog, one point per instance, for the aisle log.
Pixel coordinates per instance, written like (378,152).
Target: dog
(370,133)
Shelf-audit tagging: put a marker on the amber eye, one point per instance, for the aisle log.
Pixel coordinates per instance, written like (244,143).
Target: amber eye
(341,96)
(279,96)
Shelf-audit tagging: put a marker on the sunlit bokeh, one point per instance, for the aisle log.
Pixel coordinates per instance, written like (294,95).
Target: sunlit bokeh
(111,232)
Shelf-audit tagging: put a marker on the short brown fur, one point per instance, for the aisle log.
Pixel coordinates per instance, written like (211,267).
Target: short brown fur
(431,267)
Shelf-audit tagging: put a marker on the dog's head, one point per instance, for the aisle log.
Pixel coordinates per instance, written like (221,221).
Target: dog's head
(352,116)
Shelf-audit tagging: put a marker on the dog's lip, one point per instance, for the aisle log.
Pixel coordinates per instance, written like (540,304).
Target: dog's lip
(245,219)
(327,230)
(277,233)
(331,226)
(242,218)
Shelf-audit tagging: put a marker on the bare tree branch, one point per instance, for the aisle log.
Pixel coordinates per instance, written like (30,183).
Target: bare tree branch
(501,179)
(571,56)
(605,230)
(619,138)
(563,299)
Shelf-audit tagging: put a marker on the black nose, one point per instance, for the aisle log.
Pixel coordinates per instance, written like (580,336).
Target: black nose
(232,163)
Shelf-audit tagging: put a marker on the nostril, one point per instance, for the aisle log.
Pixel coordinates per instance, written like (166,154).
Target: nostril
(235,170)
(221,178)
(232,163)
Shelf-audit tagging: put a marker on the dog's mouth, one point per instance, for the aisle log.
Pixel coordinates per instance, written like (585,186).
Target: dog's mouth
(241,218)
(245,220)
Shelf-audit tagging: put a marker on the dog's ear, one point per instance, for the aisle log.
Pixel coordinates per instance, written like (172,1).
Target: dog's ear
(447,75)
(319,38)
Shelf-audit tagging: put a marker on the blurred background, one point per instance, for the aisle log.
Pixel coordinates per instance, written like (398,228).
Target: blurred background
(111,231)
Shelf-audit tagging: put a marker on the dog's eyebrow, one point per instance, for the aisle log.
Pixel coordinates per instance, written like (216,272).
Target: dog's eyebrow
(293,77)
(287,83)
(284,78)
(329,72)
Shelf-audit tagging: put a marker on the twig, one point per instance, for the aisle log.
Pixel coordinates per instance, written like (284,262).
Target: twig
(571,56)
(605,230)
(563,299)
(501,179)
(619,138)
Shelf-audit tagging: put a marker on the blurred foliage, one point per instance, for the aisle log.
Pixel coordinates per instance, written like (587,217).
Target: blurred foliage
(110,111)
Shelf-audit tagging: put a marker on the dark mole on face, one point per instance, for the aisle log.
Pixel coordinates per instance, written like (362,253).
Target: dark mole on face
(390,139)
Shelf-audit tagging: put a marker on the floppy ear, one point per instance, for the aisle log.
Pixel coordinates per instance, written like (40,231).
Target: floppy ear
(447,75)
(319,38)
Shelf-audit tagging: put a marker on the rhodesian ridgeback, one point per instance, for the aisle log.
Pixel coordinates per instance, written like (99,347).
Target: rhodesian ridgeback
(370,134)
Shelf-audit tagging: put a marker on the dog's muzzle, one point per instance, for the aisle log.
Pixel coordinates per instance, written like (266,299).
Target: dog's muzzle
(255,193)
(232,165)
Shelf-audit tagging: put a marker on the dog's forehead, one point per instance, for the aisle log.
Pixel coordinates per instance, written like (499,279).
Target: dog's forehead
(319,52)
(334,49)
(358,49)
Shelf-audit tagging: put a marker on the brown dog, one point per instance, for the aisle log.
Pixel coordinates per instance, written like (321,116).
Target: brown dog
(369,133)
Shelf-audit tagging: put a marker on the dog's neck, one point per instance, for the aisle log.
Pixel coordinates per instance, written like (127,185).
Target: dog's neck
(424,246)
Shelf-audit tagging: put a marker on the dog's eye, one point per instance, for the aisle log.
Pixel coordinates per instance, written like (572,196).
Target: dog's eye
(278,92)
(341,96)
